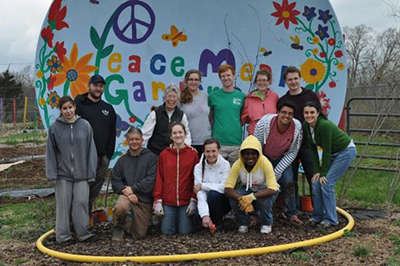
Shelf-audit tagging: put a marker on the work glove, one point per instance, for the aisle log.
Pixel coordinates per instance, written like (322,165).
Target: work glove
(191,207)
(245,203)
(158,208)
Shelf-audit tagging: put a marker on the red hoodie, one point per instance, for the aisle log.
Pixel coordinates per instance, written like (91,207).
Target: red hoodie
(175,180)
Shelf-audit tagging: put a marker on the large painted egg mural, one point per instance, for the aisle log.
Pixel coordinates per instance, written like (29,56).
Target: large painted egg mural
(140,47)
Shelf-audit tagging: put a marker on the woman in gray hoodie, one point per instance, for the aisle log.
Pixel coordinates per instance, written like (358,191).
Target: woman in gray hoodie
(71,161)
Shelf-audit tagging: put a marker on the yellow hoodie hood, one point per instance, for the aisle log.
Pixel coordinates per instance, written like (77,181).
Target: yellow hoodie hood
(253,143)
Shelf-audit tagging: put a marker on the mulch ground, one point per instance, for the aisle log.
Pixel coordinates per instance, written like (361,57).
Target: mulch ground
(375,235)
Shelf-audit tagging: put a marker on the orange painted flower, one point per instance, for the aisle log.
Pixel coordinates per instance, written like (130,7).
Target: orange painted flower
(76,72)
(285,13)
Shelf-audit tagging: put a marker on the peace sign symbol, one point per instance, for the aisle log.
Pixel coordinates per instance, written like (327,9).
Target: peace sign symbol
(129,33)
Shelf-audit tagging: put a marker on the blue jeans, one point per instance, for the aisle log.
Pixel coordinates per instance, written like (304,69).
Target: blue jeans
(287,188)
(324,201)
(263,205)
(175,217)
(218,205)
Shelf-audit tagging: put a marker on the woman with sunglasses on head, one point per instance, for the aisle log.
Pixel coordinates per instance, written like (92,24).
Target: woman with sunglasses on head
(174,198)
(71,161)
(260,102)
(338,152)
(194,103)
(210,176)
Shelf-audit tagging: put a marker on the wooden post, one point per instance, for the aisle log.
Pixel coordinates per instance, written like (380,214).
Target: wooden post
(14,112)
(25,108)
(1,110)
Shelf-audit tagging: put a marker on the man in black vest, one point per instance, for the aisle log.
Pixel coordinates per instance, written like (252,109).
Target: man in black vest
(102,118)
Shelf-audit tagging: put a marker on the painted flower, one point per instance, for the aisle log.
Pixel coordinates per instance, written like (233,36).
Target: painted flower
(322,32)
(54,64)
(340,66)
(315,51)
(60,50)
(42,102)
(315,40)
(322,54)
(325,102)
(39,74)
(57,15)
(339,53)
(125,143)
(47,36)
(285,13)
(53,99)
(332,84)
(76,72)
(309,12)
(50,82)
(324,15)
(121,125)
(312,71)
(132,119)
(331,42)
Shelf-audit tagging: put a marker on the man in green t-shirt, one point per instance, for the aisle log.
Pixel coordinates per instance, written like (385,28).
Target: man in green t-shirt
(226,106)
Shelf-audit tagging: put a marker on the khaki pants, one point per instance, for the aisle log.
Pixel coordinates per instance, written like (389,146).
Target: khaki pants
(230,153)
(141,215)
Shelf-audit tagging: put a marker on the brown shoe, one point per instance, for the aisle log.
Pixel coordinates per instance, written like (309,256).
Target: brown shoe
(295,220)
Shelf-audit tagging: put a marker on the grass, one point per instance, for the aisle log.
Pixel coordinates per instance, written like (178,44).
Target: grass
(26,221)
(361,251)
(391,261)
(348,233)
(318,254)
(35,136)
(299,255)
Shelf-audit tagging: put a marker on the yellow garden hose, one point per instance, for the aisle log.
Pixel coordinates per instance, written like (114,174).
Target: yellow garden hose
(197,256)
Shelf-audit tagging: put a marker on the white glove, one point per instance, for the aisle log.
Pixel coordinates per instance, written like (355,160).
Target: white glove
(191,207)
(158,208)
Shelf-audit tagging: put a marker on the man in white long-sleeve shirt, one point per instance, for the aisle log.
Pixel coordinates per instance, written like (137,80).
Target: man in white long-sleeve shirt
(280,136)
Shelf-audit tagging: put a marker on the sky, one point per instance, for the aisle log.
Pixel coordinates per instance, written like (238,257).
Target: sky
(21,21)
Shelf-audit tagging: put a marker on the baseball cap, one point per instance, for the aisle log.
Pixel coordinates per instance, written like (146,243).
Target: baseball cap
(97,78)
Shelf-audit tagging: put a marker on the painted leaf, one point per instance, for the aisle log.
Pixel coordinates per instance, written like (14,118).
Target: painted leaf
(94,37)
(107,51)
(309,87)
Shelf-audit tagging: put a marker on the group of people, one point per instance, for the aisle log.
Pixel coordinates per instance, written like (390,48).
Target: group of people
(195,161)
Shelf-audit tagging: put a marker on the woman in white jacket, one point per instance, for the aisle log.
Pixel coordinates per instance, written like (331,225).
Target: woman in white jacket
(210,175)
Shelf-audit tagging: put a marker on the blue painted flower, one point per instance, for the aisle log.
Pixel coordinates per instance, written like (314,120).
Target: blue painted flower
(322,32)
(309,12)
(324,15)
(121,125)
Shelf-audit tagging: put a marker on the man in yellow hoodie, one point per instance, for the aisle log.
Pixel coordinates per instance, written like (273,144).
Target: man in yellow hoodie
(251,186)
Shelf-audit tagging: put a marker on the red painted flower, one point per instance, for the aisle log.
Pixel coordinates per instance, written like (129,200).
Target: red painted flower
(325,102)
(50,84)
(331,42)
(285,13)
(60,50)
(332,84)
(339,53)
(47,36)
(132,119)
(57,15)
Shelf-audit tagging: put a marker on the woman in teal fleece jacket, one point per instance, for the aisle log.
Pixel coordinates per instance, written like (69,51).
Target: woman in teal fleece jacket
(338,153)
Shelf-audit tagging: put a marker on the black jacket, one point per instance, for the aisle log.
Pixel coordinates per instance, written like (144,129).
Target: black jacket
(138,172)
(102,118)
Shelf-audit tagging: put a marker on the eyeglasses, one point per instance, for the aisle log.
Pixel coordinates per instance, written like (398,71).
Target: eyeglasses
(262,80)
(194,80)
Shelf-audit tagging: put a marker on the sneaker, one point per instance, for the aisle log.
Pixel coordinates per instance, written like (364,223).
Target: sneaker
(118,233)
(295,220)
(92,238)
(68,242)
(324,224)
(243,229)
(312,222)
(266,229)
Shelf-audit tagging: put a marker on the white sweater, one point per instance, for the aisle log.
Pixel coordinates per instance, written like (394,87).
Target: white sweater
(214,178)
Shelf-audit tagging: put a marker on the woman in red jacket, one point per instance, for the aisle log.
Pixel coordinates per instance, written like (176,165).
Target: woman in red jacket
(174,198)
